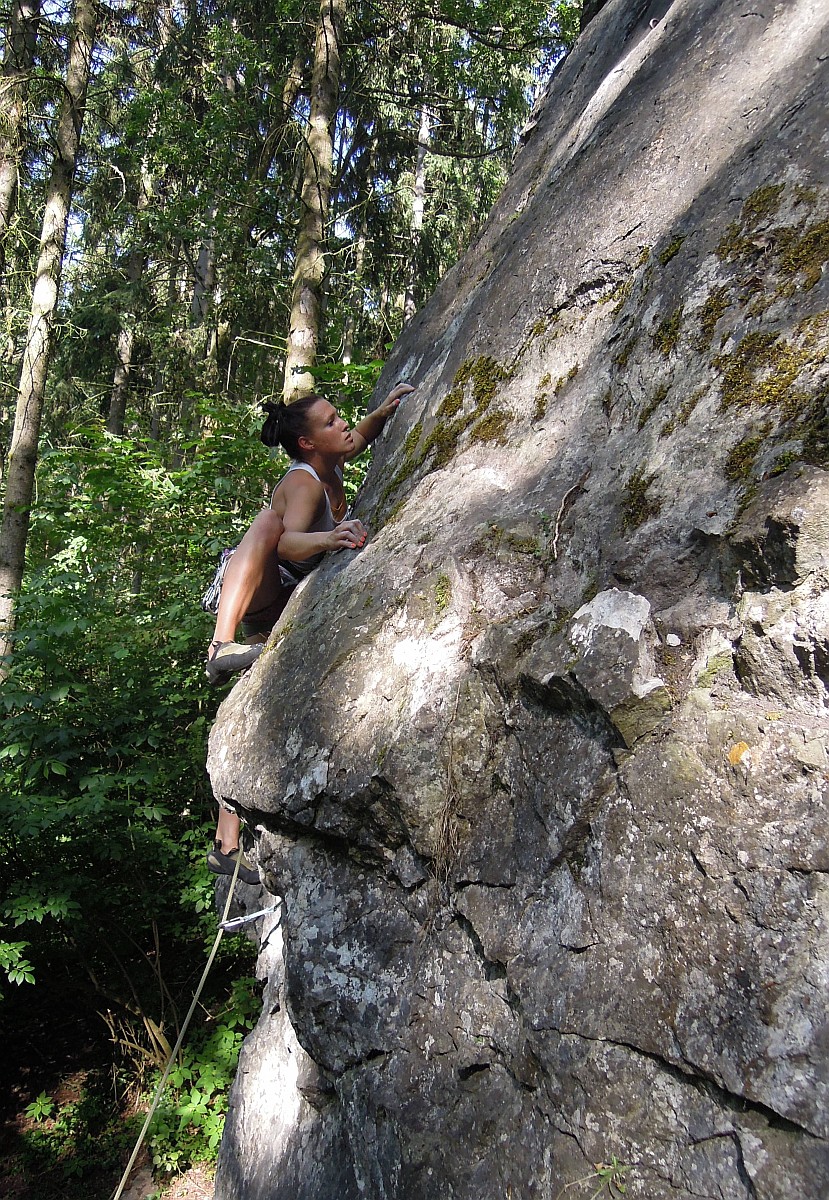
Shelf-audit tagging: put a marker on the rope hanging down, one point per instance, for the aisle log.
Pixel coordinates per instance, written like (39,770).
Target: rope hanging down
(174,1052)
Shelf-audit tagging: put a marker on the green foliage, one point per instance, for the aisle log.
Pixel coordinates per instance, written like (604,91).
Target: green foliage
(41,1107)
(606,1179)
(104,799)
(188,1123)
(611,1177)
(443,593)
(68,1148)
(71,1146)
(17,968)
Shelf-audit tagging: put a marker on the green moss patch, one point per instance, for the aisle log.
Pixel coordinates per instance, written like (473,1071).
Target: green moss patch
(623,292)
(672,249)
(482,376)
(491,428)
(667,333)
(683,413)
(637,506)
(741,459)
(524,544)
(797,252)
(719,664)
(814,429)
(542,398)
(443,593)
(563,380)
(715,307)
(760,370)
(805,252)
(623,357)
(739,240)
(653,404)
(762,204)
(763,370)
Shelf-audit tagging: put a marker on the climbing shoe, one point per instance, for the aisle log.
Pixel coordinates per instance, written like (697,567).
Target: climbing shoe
(230,657)
(221,863)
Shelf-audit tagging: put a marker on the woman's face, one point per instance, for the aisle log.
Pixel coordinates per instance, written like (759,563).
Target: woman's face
(327,431)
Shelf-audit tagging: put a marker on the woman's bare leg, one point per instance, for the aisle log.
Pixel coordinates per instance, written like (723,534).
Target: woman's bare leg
(227,857)
(252,579)
(228,828)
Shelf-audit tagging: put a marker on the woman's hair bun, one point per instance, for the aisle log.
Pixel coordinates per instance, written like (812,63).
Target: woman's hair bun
(285,423)
(272,428)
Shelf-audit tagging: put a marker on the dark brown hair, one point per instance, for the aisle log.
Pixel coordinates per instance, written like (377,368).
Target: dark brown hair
(285,423)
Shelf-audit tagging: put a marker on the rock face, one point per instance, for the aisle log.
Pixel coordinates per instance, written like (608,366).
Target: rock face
(541,773)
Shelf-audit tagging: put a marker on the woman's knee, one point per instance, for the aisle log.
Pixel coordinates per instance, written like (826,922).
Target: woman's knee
(266,530)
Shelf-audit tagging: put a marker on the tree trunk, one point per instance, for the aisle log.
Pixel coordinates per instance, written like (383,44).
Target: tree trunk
(424,138)
(136,264)
(23,452)
(204,275)
(17,65)
(355,289)
(350,326)
(309,271)
(123,352)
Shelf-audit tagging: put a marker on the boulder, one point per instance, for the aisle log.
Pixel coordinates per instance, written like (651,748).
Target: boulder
(541,772)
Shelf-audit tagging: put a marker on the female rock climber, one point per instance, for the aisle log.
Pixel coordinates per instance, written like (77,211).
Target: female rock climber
(305,520)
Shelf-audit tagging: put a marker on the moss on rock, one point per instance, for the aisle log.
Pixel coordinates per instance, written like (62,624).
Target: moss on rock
(622,358)
(667,333)
(653,404)
(443,593)
(542,398)
(798,252)
(760,370)
(483,375)
(742,457)
(715,307)
(672,249)
(683,413)
(637,506)
(805,252)
(491,427)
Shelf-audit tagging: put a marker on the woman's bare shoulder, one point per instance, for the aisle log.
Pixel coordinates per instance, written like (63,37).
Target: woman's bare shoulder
(296,486)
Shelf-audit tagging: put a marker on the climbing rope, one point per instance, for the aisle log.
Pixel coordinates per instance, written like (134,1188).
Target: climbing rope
(174,1052)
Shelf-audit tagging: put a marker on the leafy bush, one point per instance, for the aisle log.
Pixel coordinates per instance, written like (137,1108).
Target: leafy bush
(188,1123)
(67,1146)
(104,800)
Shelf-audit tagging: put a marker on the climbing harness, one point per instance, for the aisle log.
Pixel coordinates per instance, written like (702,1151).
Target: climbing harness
(224,925)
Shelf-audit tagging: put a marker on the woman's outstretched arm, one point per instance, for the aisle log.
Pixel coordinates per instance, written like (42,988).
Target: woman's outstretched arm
(365,431)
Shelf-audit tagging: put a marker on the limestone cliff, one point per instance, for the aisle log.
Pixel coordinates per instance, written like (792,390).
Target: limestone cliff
(541,773)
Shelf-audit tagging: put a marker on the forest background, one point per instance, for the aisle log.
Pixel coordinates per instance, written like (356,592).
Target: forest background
(203,205)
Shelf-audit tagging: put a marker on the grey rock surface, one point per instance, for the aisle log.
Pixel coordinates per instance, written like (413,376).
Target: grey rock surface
(542,772)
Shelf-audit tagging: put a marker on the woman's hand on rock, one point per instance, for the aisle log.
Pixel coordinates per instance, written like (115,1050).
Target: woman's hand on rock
(348,535)
(394,397)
